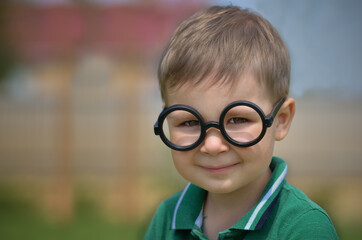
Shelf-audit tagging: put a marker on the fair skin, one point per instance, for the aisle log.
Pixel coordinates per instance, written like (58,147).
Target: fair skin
(233,176)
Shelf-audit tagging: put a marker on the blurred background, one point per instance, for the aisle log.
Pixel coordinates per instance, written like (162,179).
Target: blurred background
(79,97)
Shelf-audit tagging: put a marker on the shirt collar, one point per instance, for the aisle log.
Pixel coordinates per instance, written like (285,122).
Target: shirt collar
(189,206)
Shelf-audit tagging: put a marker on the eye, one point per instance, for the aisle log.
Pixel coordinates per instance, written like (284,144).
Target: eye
(191,123)
(238,120)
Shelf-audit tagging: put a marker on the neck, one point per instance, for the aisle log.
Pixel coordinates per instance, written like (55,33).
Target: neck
(246,196)
(224,210)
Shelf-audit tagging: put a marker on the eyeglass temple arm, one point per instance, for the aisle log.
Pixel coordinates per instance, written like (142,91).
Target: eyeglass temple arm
(273,113)
(156,128)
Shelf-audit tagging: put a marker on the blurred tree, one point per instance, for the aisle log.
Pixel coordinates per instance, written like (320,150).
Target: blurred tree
(7,58)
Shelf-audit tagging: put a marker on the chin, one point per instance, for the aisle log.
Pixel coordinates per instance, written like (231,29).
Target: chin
(220,188)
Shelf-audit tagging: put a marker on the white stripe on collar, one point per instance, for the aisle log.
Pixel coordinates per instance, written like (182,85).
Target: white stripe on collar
(266,197)
(200,219)
(177,206)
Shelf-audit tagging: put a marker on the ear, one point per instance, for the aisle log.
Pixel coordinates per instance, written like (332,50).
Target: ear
(284,119)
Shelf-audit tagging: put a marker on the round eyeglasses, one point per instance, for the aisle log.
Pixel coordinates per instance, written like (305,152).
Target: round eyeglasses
(242,123)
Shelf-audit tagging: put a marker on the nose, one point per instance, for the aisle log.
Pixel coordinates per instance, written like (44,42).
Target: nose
(214,143)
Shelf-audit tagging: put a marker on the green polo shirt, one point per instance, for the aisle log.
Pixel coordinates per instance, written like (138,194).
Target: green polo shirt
(283,212)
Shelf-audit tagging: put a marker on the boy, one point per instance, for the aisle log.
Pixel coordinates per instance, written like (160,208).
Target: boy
(224,79)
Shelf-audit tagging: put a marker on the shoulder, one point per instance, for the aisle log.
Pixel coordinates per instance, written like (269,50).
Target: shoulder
(305,219)
(162,220)
(166,209)
(296,199)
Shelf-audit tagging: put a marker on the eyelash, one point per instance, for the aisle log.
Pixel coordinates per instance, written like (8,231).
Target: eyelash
(232,120)
(189,123)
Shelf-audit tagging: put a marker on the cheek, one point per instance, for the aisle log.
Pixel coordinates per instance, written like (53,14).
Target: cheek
(262,151)
(181,160)
(266,145)
(184,165)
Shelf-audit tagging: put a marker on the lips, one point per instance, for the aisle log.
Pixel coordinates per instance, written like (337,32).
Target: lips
(219,169)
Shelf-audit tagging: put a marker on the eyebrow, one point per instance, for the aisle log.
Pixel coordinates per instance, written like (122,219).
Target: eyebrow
(246,110)
(174,114)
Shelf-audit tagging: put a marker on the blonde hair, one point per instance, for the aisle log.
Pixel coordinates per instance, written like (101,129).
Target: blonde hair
(225,42)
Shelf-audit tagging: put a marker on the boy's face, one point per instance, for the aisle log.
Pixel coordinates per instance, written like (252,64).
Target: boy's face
(216,165)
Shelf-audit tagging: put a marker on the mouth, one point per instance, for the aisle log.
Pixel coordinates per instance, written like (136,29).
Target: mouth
(219,169)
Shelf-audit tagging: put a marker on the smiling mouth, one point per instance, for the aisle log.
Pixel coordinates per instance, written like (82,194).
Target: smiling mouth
(220,170)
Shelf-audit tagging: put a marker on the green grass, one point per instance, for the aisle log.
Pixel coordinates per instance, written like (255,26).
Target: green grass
(87,226)
(20,220)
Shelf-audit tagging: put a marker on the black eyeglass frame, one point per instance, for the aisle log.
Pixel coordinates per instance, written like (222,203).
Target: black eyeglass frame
(267,121)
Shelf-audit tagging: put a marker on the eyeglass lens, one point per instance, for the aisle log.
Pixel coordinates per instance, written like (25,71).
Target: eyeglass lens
(241,123)
(181,128)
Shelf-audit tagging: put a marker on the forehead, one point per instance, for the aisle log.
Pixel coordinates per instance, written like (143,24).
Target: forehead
(209,96)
